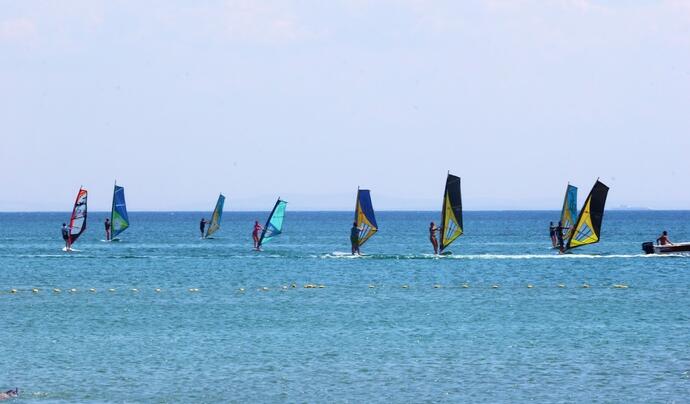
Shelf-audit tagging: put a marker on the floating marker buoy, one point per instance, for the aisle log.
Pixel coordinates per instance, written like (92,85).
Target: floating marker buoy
(405,286)
(494,286)
(437,286)
(111,290)
(264,289)
(135,290)
(529,286)
(584,285)
(322,286)
(193,290)
(13,291)
(92,290)
(56,290)
(241,289)
(35,290)
(465,285)
(371,286)
(620,286)
(560,285)
(284,287)
(158,290)
(309,286)
(73,290)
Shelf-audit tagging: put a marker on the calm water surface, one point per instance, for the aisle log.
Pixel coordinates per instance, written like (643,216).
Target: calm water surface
(245,334)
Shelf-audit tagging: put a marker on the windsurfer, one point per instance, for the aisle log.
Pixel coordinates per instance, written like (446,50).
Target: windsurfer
(255,234)
(354,238)
(432,236)
(559,235)
(107,229)
(202,226)
(663,239)
(65,236)
(552,232)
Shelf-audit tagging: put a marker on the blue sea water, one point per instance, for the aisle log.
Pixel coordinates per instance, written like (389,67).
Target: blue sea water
(399,325)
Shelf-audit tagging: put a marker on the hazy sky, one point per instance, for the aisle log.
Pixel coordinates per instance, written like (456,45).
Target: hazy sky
(180,100)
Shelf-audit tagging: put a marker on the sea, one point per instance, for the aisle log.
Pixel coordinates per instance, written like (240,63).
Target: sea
(164,316)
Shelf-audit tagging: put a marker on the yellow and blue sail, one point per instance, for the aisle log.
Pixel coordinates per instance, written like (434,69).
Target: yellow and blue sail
(119,220)
(274,224)
(364,216)
(587,229)
(451,212)
(214,224)
(569,211)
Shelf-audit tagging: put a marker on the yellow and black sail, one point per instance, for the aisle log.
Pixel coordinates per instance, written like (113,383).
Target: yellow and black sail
(451,212)
(587,227)
(364,216)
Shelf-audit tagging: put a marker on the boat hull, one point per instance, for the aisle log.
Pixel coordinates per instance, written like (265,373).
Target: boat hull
(677,248)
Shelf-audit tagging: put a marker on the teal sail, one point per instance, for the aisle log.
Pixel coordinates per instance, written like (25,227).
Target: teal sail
(569,211)
(214,225)
(274,224)
(119,221)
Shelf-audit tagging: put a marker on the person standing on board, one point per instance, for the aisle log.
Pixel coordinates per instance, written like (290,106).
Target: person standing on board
(255,234)
(552,232)
(354,238)
(664,240)
(107,229)
(202,226)
(559,236)
(65,235)
(432,236)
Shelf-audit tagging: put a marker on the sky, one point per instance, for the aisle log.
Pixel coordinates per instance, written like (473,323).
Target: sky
(307,100)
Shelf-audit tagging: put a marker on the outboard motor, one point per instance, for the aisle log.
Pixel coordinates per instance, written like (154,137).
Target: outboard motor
(648,247)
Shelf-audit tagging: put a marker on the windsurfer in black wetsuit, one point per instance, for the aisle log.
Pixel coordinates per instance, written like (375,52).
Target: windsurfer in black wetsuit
(107,229)
(559,236)
(354,238)
(202,226)
(552,233)
(432,236)
(65,235)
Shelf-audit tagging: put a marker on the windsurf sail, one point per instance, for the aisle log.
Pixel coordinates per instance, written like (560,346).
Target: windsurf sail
(119,221)
(569,212)
(364,216)
(587,227)
(451,212)
(274,224)
(77,223)
(214,225)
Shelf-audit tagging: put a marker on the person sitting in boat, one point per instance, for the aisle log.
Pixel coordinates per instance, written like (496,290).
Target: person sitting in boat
(552,233)
(255,234)
(202,226)
(9,394)
(107,229)
(664,240)
(354,238)
(432,236)
(559,235)
(65,235)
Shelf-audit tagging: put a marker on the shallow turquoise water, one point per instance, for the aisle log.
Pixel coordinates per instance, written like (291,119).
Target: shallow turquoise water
(360,338)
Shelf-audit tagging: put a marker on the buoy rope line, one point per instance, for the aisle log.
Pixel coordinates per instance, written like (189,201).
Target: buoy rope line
(292,286)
